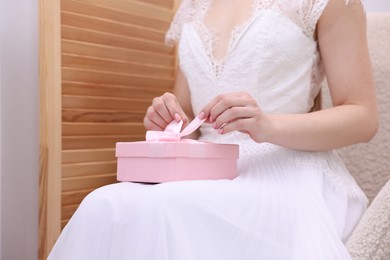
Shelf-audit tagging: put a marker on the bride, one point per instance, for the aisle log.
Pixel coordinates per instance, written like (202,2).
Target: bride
(252,68)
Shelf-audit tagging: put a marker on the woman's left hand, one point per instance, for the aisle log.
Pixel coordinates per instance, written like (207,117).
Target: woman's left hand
(237,111)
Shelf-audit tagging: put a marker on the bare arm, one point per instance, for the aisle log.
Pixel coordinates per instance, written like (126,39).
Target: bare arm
(353,119)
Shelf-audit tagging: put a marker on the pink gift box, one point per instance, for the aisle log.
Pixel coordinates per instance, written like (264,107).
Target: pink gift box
(165,161)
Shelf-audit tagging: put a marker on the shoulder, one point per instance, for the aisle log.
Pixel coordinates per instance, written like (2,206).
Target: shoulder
(315,11)
(345,13)
(336,8)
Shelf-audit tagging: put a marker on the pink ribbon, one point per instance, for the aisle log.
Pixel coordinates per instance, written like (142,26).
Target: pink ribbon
(172,131)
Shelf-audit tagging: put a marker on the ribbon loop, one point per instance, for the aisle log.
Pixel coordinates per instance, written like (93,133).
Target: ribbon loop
(172,131)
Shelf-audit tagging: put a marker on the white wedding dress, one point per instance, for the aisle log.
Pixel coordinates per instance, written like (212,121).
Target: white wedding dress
(285,204)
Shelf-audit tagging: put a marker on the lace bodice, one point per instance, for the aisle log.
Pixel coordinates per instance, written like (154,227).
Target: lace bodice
(272,54)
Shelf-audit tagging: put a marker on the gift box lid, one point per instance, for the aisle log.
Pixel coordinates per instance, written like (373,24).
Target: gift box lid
(169,143)
(182,148)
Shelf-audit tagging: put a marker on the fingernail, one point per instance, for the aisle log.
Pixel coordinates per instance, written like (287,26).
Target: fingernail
(211,119)
(214,125)
(220,131)
(201,115)
(177,117)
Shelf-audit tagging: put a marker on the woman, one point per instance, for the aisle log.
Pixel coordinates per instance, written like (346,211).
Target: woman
(253,69)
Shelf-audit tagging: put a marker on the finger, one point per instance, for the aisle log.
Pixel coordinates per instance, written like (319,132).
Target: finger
(241,125)
(207,109)
(174,108)
(220,99)
(225,104)
(225,99)
(233,114)
(150,125)
(155,117)
(160,107)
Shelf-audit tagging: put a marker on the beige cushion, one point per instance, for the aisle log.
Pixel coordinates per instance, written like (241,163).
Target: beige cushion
(371,238)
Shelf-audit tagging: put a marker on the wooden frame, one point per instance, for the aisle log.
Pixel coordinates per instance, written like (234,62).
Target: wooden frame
(50,126)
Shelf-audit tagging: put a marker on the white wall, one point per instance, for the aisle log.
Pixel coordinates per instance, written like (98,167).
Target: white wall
(1,157)
(377,6)
(19,140)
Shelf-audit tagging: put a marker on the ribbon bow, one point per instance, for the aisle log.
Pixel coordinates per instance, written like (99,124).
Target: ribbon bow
(172,131)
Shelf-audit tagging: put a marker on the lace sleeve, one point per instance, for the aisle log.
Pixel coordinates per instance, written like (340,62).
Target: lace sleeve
(312,11)
(185,13)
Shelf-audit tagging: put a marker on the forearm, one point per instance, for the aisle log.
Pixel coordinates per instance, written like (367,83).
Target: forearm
(323,130)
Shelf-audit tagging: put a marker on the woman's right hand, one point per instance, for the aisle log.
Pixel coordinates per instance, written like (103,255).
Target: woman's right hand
(164,109)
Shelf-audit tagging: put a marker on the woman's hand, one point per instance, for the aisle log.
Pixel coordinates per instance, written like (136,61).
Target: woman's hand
(237,111)
(163,110)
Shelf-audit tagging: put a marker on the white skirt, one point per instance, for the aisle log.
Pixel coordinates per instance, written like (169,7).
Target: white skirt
(276,209)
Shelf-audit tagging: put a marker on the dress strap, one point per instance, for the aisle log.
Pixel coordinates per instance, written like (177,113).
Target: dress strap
(186,13)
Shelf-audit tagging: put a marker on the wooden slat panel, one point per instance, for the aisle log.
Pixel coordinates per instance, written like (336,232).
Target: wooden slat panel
(114,62)
(75,61)
(88,115)
(114,15)
(165,3)
(87,169)
(127,42)
(104,103)
(91,76)
(106,26)
(64,222)
(87,182)
(68,211)
(106,90)
(141,9)
(99,25)
(95,155)
(116,53)
(91,142)
(74,197)
(80,129)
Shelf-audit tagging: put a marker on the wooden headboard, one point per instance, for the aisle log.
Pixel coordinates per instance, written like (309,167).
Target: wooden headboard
(113,61)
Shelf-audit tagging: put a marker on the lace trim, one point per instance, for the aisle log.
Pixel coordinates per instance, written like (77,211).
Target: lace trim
(317,77)
(310,10)
(186,12)
(212,40)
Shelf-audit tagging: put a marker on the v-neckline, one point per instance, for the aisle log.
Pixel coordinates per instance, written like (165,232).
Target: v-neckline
(209,38)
